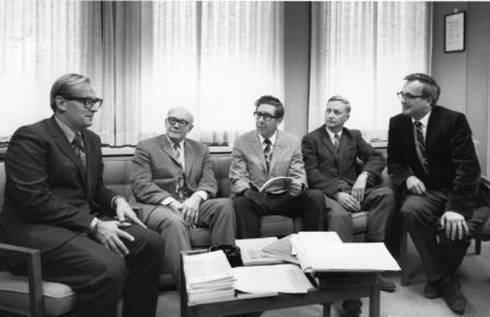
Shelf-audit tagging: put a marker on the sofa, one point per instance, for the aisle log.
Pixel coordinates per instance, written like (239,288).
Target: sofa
(55,299)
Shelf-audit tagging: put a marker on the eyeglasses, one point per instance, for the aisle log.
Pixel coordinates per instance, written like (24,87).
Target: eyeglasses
(408,96)
(263,115)
(88,102)
(181,122)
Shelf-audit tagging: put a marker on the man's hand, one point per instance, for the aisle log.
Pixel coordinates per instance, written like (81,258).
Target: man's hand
(109,234)
(454,225)
(295,187)
(348,202)
(415,185)
(360,187)
(176,206)
(124,212)
(190,209)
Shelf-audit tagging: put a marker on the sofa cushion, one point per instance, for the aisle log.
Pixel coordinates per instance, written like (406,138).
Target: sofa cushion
(14,295)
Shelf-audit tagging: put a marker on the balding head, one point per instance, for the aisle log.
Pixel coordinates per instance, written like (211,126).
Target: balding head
(179,123)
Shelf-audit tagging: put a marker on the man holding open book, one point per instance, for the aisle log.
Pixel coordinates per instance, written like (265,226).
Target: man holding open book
(261,155)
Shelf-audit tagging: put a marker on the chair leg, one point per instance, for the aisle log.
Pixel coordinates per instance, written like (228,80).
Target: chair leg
(477,246)
(404,255)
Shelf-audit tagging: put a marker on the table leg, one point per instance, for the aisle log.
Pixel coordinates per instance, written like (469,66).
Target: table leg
(374,302)
(326,310)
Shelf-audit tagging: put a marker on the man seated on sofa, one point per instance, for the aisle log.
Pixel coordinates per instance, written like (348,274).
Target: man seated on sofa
(173,179)
(331,155)
(56,201)
(264,153)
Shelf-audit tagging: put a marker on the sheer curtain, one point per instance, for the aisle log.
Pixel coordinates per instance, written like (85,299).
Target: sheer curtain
(362,50)
(39,41)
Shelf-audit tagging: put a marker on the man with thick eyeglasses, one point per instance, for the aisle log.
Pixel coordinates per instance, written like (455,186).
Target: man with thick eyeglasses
(432,159)
(174,183)
(56,201)
(262,154)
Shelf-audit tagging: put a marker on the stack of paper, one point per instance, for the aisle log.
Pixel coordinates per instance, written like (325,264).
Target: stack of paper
(324,251)
(209,278)
(252,251)
(268,280)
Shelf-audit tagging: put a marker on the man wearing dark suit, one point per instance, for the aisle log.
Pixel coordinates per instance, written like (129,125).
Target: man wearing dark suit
(431,157)
(331,155)
(265,153)
(56,201)
(173,181)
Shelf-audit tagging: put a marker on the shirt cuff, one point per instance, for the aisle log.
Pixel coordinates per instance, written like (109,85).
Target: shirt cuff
(203,194)
(167,201)
(93,225)
(113,201)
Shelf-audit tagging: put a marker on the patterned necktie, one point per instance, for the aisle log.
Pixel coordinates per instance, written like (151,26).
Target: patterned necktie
(77,145)
(336,142)
(420,143)
(181,187)
(178,154)
(267,153)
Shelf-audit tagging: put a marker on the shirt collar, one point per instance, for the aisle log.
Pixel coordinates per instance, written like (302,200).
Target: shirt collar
(67,131)
(181,143)
(272,138)
(424,120)
(332,135)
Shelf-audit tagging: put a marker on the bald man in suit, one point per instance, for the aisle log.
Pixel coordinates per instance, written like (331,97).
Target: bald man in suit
(174,184)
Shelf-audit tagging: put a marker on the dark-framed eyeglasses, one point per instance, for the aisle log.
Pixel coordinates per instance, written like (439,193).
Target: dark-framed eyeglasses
(181,122)
(408,96)
(89,103)
(263,115)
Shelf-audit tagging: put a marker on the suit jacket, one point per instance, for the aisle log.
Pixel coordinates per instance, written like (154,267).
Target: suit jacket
(155,170)
(452,160)
(248,161)
(49,196)
(332,172)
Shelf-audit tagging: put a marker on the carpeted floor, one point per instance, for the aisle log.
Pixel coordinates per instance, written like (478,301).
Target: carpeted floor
(406,301)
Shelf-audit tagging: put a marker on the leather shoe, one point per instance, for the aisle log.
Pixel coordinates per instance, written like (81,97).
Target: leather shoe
(351,307)
(432,290)
(453,296)
(386,284)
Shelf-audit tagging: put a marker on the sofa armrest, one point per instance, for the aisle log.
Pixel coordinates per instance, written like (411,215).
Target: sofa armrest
(32,257)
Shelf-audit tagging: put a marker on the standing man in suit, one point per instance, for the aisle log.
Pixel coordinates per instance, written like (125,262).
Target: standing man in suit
(265,153)
(431,157)
(56,201)
(174,182)
(331,155)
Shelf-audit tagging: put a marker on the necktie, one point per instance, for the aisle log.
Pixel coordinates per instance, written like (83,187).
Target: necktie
(336,141)
(420,144)
(181,187)
(267,153)
(77,145)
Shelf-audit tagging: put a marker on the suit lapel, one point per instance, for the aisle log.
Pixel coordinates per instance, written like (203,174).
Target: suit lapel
(328,142)
(62,143)
(277,151)
(167,148)
(189,158)
(257,148)
(431,127)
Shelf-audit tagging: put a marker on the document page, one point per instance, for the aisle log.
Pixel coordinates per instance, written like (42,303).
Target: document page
(282,278)
(252,251)
(206,267)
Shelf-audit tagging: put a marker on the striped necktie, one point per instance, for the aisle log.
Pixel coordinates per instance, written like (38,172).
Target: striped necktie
(420,144)
(77,145)
(268,153)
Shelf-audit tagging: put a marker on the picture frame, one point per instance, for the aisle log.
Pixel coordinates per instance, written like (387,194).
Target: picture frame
(454,32)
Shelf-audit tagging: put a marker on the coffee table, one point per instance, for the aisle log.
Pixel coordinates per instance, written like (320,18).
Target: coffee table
(332,287)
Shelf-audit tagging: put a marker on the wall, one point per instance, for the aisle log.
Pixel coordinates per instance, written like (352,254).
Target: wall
(296,66)
(464,77)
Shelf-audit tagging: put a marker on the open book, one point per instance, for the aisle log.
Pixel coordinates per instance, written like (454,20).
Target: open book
(324,254)
(252,251)
(278,182)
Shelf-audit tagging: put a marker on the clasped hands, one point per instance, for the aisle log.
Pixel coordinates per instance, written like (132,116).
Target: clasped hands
(352,202)
(109,233)
(189,209)
(452,223)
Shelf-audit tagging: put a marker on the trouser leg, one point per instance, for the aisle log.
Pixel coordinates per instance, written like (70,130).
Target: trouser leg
(339,220)
(380,203)
(219,215)
(248,215)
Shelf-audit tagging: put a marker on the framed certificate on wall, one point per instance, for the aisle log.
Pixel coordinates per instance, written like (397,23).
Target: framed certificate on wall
(454,32)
